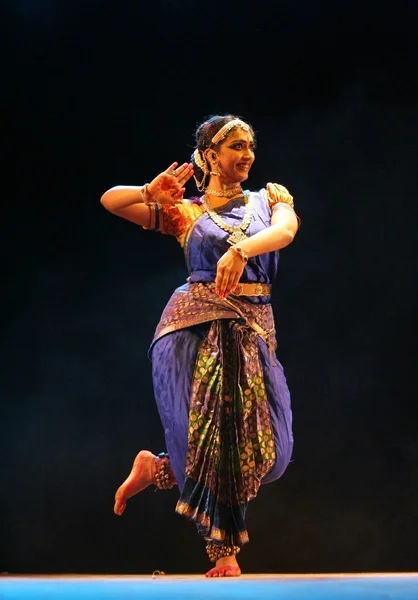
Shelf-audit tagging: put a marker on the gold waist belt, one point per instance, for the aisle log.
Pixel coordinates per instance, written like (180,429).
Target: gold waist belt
(252,289)
(244,289)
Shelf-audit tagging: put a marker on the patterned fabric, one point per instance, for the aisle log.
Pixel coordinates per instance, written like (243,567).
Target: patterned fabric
(230,439)
(176,219)
(278,194)
(195,303)
(237,415)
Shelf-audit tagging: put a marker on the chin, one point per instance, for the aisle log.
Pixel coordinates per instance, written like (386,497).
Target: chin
(242,176)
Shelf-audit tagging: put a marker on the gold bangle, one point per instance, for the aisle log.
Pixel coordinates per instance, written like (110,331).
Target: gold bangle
(238,250)
(146,196)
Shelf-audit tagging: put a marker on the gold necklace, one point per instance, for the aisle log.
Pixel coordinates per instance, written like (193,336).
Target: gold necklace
(237,231)
(223,194)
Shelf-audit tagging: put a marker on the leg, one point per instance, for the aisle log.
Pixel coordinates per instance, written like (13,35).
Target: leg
(280,414)
(173,363)
(174,360)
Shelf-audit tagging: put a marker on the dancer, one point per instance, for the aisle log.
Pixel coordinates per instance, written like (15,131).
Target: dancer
(220,391)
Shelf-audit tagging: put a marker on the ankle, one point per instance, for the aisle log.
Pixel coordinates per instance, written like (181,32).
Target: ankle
(227,561)
(222,554)
(162,474)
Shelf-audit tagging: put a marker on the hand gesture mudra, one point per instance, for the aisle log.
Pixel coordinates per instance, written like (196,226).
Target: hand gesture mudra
(168,186)
(229,270)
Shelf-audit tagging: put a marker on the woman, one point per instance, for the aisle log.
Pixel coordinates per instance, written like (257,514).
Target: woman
(221,394)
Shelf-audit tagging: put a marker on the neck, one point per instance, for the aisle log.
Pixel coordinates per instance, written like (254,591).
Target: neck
(218,184)
(219,198)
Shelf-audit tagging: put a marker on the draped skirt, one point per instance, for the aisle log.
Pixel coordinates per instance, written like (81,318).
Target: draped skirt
(225,407)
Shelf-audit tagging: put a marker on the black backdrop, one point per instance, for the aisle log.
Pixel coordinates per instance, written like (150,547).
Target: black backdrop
(110,92)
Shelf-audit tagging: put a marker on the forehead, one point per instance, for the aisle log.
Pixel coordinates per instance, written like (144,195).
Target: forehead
(239,134)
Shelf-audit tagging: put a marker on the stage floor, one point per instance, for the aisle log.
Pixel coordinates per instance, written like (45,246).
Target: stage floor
(371,586)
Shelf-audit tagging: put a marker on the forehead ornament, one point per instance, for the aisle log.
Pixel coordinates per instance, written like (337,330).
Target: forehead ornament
(223,132)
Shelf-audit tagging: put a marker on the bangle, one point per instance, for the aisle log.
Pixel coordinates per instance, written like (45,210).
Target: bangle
(146,196)
(238,250)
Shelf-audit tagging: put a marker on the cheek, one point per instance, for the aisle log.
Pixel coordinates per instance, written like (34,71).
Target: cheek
(227,162)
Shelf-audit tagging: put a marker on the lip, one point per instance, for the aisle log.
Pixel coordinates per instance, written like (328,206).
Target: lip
(244,166)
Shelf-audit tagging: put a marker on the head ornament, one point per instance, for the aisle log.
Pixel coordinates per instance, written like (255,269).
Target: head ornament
(223,132)
(198,156)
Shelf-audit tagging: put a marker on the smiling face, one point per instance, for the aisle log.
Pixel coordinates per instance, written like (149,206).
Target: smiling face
(234,157)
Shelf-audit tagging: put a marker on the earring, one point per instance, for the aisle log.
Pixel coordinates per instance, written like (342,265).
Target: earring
(215,173)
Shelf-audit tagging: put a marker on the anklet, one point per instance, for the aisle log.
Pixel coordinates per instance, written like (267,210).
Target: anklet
(216,551)
(164,479)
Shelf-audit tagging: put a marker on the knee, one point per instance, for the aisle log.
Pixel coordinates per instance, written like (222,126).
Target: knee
(283,458)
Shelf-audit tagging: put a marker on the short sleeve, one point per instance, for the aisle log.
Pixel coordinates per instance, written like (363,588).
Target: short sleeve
(278,197)
(278,194)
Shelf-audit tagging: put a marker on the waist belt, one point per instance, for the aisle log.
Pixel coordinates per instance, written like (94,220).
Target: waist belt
(252,289)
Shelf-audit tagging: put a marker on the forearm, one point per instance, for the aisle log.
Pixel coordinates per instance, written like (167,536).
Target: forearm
(123,196)
(274,237)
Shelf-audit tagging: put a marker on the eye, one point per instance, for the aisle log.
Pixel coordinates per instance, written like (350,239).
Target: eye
(237,146)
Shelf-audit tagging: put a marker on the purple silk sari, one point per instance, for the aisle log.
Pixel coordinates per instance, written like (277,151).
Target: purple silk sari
(221,393)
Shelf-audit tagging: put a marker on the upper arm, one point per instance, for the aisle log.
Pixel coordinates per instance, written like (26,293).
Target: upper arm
(126,201)
(282,207)
(284,216)
(136,213)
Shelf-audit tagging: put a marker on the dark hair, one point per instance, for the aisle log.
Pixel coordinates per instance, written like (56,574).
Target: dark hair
(205,132)
(207,129)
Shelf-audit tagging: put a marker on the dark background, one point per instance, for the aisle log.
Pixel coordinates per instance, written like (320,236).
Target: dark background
(110,92)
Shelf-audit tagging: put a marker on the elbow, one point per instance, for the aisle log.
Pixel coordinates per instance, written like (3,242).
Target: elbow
(287,237)
(105,200)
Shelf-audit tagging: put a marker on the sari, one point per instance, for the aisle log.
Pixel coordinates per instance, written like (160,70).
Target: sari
(221,393)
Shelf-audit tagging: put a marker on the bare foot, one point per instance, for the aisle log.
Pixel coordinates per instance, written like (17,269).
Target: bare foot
(140,477)
(225,567)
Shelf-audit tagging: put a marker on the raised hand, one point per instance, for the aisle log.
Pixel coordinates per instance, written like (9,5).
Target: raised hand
(168,186)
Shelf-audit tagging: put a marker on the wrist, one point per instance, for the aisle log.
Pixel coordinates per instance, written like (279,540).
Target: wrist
(238,251)
(145,193)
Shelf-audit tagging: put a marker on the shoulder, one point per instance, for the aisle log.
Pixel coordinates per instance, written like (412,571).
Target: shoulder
(272,195)
(193,206)
(176,218)
(187,209)
(276,193)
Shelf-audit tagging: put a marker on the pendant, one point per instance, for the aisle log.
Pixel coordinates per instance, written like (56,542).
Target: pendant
(236,237)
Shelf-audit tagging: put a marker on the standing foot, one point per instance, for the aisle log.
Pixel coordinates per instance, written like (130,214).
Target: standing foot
(140,477)
(225,567)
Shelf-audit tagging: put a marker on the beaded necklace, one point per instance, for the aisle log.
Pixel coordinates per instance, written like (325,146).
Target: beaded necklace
(237,231)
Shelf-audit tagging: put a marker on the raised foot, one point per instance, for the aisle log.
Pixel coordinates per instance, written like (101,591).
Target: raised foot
(140,477)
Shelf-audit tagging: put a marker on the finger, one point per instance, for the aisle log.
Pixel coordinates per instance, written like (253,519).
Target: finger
(183,172)
(186,176)
(224,283)
(235,282)
(171,168)
(179,194)
(177,172)
(183,168)
(230,284)
(218,279)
